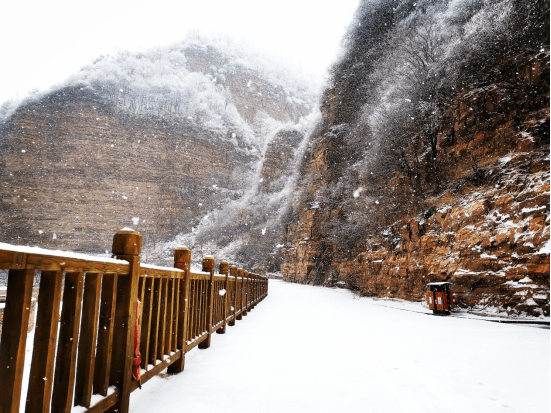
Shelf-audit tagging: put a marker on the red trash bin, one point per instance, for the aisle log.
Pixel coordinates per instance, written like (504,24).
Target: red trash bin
(440,298)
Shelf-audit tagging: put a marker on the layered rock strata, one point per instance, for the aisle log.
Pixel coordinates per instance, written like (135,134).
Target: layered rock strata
(73,172)
(486,229)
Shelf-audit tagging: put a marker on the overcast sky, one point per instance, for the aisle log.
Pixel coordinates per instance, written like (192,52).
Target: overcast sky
(44,42)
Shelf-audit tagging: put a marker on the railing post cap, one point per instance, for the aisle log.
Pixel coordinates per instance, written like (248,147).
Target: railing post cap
(233,271)
(127,242)
(208,264)
(182,254)
(240,272)
(224,267)
(182,258)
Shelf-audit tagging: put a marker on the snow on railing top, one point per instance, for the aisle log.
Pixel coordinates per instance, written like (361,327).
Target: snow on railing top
(58,253)
(158,267)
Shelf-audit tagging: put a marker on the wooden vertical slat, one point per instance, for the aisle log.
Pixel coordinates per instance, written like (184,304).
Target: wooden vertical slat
(233,273)
(248,292)
(146,320)
(204,306)
(178,284)
(14,338)
(154,332)
(246,286)
(45,339)
(220,299)
(188,303)
(169,313)
(162,320)
(197,309)
(214,308)
(214,304)
(102,363)
(253,294)
(243,293)
(236,303)
(64,378)
(141,295)
(224,300)
(141,292)
(200,313)
(240,292)
(193,308)
(208,304)
(198,304)
(87,342)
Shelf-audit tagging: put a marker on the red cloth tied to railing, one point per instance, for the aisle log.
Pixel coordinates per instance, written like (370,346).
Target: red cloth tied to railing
(136,369)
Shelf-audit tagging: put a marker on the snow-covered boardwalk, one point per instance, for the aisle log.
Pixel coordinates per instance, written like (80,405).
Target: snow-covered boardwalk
(312,349)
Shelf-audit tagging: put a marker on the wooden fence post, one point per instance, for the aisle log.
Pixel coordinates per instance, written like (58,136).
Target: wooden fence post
(208,266)
(224,270)
(127,245)
(233,308)
(182,260)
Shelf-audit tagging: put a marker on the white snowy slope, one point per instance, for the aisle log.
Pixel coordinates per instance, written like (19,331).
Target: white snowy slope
(312,349)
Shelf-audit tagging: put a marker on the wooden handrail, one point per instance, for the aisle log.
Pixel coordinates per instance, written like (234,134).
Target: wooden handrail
(98,298)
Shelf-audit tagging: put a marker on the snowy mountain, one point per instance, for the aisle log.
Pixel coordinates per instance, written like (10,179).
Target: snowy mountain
(153,140)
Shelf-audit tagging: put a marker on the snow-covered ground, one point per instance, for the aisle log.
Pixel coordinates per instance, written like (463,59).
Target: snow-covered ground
(313,349)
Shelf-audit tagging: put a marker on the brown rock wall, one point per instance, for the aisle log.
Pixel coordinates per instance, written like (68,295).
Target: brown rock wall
(485,226)
(279,160)
(73,172)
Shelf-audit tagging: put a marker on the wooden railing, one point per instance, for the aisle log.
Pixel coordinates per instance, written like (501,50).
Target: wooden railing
(95,362)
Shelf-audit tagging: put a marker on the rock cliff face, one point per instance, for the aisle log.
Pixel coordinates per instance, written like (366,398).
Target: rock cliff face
(278,164)
(112,150)
(249,230)
(470,206)
(73,172)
